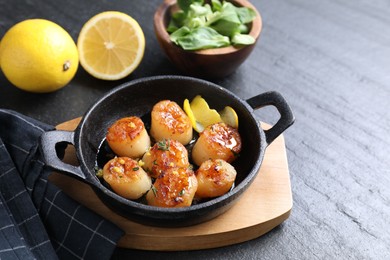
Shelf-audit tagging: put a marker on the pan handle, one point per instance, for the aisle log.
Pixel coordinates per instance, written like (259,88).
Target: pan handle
(273,98)
(48,143)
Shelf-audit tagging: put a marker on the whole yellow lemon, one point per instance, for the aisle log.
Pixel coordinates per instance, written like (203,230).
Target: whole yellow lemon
(38,55)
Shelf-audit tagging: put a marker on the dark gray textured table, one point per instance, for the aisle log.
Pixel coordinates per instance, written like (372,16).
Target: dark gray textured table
(331,61)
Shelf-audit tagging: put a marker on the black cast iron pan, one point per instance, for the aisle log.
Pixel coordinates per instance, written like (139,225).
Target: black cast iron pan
(137,98)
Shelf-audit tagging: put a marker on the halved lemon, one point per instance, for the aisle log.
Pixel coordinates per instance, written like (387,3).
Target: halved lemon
(229,116)
(111,45)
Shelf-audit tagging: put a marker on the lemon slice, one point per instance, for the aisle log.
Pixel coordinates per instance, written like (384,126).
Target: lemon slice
(187,109)
(111,45)
(200,113)
(229,116)
(196,125)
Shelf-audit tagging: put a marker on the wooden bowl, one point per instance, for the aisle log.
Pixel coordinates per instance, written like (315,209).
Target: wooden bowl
(210,63)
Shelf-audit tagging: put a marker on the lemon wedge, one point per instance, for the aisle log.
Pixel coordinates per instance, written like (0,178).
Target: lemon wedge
(229,116)
(111,45)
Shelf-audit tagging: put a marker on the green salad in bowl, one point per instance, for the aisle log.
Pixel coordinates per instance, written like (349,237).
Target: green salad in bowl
(207,39)
(199,25)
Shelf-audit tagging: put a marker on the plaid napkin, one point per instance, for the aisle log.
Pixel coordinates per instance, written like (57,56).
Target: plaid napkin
(37,220)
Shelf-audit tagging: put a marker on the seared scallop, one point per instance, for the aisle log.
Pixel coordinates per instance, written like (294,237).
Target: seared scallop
(215,178)
(126,177)
(217,141)
(165,154)
(174,188)
(128,137)
(169,121)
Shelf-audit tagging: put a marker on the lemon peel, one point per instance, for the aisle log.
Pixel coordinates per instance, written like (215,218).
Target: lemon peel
(196,125)
(201,115)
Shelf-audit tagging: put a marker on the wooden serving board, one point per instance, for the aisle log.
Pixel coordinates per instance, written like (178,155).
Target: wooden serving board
(266,204)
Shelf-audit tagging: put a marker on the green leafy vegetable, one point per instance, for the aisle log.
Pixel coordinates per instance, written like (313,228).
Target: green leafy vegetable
(200,26)
(246,15)
(243,39)
(228,22)
(217,5)
(199,38)
(185,4)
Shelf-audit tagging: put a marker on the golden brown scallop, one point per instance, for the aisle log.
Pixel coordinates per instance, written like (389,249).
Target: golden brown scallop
(128,137)
(169,121)
(174,188)
(215,178)
(217,141)
(126,177)
(163,155)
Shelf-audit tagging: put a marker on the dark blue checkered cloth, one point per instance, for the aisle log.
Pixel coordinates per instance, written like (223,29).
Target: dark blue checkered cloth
(37,220)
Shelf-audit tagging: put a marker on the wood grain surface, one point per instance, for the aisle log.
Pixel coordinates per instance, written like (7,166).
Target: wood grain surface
(265,205)
(331,61)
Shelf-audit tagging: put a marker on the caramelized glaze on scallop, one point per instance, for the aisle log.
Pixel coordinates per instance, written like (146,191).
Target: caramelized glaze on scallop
(128,137)
(215,178)
(169,121)
(126,177)
(163,155)
(174,188)
(217,141)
